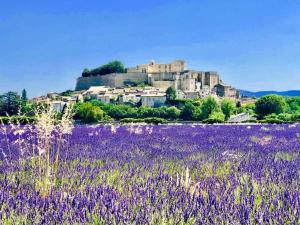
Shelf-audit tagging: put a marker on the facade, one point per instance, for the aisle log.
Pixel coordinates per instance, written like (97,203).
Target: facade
(226,91)
(129,98)
(153,100)
(153,67)
(111,80)
(239,118)
(57,106)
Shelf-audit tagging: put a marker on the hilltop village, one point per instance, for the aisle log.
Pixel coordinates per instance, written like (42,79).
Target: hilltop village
(145,84)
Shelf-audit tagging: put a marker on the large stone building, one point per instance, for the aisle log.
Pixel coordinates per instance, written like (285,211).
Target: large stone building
(153,67)
(163,76)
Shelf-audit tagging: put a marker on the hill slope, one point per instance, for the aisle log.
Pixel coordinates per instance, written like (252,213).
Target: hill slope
(262,93)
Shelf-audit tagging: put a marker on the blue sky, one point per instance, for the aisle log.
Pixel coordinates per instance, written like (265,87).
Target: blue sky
(45,45)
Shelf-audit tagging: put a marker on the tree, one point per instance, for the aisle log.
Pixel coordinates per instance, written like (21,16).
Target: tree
(24,102)
(89,113)
(269,104)
(188,110)
(173,113)
(24,96)
(86,72)
(171,93)
(10,103)
(67,93)
(294,104)
(228,107)
(111,67)
(209,106)
(215,117)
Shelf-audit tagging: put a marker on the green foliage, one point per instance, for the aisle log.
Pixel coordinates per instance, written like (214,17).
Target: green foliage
(228,107)
(17,119)
(171,93)
(207,110)
(24,96)
(10,103)
(281,118)
(179,103)
(272,121)
(86,72)
(215,117)
(209,106)
(188,110)
(173,113)
(269,104)
(296,116)
(294,104)
(111,67)
(285,117)
(67,93)
(88,113)
(153,120)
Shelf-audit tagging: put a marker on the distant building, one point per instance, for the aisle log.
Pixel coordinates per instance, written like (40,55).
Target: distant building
(153,100)
(57,106)
(239,118)
(226,91)
(153,67)
(129,98)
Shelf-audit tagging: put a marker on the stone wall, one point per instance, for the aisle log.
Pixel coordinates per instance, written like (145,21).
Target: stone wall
(111,80)
(163,84)
(152,67)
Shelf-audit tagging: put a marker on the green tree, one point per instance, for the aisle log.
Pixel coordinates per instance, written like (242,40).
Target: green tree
(10,103)
(269,104)
(228,107)
(111,67)
(215,117)
(209,106)
(294,104)
(89,113)
(171,93)
(173,113)
(188,110)
(25,108)
(86,73)
(24,96)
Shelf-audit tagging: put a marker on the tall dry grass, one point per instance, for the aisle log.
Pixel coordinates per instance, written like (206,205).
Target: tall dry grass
(48,137)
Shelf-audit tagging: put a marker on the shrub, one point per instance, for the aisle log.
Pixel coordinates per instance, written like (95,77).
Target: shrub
(171,93)
(111,67)
(296,116)
(209,106)
(188,111)
(153,120)
(285,117)
(228,107)
(89,113)
(173,113)
(270,104)
(18,119)
(215,117)
(272,121)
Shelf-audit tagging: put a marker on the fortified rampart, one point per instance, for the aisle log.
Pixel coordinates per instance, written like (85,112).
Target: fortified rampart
(110,80)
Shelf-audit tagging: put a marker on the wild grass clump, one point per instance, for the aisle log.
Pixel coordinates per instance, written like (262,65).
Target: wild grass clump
(41,149)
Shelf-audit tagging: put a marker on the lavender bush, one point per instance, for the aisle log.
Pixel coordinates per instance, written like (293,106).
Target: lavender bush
(180,174)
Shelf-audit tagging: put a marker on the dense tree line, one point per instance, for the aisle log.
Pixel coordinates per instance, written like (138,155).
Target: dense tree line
(111,67)
(16,108)
(267,109)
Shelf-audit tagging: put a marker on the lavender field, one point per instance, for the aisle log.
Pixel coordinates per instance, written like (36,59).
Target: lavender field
(179,174)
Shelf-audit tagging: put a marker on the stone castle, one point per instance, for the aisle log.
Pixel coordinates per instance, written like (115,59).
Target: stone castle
(191,83)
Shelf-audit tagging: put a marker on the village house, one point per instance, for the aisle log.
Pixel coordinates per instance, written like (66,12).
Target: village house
(153,100)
